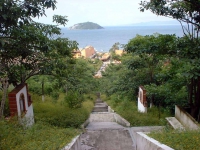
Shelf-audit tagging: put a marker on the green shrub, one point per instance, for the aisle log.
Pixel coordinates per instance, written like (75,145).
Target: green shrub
(59,114)
(74,99)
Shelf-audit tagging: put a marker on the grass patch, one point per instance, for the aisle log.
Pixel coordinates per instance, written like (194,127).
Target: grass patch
(128,110)
(40,136)
(179,140)
(55,125)
(60,115)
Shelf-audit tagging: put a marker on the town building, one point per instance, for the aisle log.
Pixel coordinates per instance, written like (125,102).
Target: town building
(105,56)
(119,52)
(87,52)
(76,53)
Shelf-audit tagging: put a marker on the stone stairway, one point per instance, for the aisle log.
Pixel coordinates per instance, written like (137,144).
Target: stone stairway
(103,132)
(100,106)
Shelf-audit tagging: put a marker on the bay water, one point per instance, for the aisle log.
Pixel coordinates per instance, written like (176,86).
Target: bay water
(103,39)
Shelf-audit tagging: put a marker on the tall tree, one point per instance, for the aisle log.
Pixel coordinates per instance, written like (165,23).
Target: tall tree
(187,12)
(28,48)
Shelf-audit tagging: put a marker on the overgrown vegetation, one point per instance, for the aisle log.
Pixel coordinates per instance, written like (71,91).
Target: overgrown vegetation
(40,136)
(166,65)
(128,109)
(185,49)
(55,125)
(178,140)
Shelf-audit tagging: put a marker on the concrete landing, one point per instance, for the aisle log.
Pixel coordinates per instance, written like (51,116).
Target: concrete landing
(107,139)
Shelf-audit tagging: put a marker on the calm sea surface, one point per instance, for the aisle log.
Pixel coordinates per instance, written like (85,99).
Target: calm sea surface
(103,39)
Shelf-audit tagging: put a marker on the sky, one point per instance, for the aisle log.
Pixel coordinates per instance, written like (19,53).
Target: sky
(102,12)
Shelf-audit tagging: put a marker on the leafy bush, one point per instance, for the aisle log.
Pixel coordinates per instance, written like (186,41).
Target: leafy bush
(74,99)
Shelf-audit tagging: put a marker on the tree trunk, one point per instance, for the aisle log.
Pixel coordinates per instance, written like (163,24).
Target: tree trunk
(43,98)
(191,93)
(195,96)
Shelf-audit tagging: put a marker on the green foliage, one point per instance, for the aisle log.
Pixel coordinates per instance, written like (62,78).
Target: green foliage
(157,67)
(29,48)
(19,13)
(187,48)
(156,44)
(127,108)
(79,77)
(179,140)
(40,136)
(54,126)
(60,19)
(186,12)
(74,99)
(115,46)
(160,64)
(96,63)
(59,114)
(76,76)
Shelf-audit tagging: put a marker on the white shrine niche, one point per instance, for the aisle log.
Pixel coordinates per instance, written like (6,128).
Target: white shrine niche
(21,105)
(142,102)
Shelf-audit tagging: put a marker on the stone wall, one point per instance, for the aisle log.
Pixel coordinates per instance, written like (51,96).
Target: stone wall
(185,119)
(144,142)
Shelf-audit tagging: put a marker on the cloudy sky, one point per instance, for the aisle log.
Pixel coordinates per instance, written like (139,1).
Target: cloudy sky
(103,12)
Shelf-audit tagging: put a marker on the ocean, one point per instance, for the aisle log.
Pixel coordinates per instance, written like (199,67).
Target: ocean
(103,39)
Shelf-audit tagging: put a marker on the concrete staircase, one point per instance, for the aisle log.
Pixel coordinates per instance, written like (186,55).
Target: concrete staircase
(100,106)
(106,130)
(103,132)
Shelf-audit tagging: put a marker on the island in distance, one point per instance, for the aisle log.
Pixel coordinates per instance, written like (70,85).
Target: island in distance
(85,26)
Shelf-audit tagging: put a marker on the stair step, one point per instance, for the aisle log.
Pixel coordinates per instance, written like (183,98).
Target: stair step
(99,110)
(100,105)
(99,102)
(175,123)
